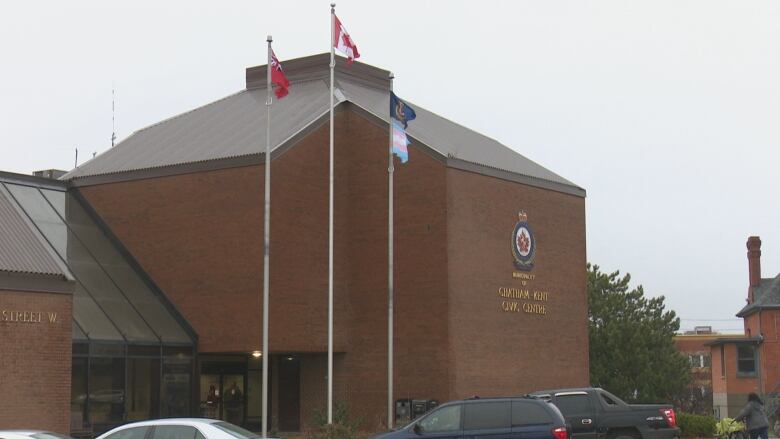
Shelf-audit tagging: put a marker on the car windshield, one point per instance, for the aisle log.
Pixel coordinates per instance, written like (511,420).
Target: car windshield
(49,435)
(235,431)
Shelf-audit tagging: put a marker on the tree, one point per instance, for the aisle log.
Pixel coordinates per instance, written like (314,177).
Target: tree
(632,352)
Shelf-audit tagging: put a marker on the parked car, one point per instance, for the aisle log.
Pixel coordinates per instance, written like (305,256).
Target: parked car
(28,434)
(507,418)
(594,413)
(184,428)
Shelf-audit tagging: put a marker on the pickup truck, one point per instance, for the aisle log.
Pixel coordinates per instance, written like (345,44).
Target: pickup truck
(594,413)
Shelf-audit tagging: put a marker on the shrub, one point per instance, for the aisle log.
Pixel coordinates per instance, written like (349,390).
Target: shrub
(343,426)
(696,425)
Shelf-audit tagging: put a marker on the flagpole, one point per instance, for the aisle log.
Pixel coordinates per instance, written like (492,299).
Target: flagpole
(266,239)
(330,222)
(390,170)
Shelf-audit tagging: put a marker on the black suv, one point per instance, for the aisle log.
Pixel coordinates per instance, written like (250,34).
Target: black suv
(505,418)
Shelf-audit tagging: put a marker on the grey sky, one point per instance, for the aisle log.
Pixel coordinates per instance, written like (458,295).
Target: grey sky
(665,111)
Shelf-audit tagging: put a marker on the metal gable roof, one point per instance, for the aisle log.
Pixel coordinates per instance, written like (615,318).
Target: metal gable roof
(22,249)
(230,127)
(234,127)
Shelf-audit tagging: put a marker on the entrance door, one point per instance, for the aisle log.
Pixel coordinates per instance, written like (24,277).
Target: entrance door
(223,390)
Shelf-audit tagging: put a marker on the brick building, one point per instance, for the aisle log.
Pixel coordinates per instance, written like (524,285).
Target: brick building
(35,331)
(695,345)
(476,311)
(750,362)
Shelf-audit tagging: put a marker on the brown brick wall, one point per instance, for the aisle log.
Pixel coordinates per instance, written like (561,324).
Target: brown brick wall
(769,351)
(35,362)
(199,236)
(503,353)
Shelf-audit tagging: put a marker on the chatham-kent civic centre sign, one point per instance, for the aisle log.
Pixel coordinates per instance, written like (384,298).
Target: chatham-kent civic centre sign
(524,298)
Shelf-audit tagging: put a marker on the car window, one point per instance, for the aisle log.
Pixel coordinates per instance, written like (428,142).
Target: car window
(573,404)
(174,432)
(235,431)
(444,419)
(610,399)
(528,413)
(130,433)
(607,400)
(49,435)
(485,415)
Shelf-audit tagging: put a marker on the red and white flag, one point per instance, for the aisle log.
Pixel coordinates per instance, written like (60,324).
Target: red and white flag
(343,42)
(278,77)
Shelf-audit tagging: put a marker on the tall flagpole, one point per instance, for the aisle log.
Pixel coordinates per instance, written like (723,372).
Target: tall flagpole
(330,222)
(266,241)
(390,170)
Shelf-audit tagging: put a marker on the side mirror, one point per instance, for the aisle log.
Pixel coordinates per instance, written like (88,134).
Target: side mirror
(417,428)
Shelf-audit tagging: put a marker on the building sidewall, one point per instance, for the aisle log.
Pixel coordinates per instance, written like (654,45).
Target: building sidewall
(37,355)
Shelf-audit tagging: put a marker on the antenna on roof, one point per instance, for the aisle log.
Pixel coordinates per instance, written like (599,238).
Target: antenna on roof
(76,162)
(113,119)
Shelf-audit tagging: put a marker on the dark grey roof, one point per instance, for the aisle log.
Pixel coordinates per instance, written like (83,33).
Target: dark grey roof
(234,127)
(765,296)
(734,339)
(22,248)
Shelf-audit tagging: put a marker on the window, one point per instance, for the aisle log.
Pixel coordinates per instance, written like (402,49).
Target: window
(176,387)
(175,432)
(527,413)
(573,404)
(444,419)
(106,390)
(699,360)
(607,400)
(485,415)
(78,395)
(746,360)
(130,433)
(722,361)
(143,388)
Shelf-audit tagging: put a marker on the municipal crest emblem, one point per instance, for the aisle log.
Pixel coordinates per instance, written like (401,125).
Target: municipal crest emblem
(523,243)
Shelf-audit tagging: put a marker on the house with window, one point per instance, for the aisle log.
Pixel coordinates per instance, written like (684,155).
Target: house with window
(697,398)
(749,362)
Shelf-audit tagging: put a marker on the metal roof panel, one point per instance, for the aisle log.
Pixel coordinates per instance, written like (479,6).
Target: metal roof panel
(23,251)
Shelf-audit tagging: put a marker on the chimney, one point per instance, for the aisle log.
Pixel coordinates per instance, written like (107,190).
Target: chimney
(754,261)
(53,174)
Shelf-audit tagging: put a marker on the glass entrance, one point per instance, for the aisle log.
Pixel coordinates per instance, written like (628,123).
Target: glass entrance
(223,391)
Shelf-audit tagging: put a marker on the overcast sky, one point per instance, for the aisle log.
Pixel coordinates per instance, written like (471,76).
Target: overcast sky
(666,112)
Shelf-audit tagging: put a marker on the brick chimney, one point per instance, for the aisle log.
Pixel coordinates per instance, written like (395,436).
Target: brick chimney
(754,261)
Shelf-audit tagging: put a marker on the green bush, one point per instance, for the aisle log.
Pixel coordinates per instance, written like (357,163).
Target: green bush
(696,425)
(343,426)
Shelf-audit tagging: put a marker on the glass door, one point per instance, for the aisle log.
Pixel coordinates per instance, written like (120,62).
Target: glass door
(210,391)
(223,389)
(233,401)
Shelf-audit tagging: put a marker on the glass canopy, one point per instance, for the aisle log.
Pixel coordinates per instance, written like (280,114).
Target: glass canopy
(113,300)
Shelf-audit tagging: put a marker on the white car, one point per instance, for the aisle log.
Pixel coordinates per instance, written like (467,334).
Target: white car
(183,428)
(31,434)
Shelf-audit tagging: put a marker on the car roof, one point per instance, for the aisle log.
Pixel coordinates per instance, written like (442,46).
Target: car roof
(17,434)
(563,391)
(167,421)
(499,398)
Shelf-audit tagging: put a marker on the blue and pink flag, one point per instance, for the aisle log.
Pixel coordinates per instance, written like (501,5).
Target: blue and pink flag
(400,115)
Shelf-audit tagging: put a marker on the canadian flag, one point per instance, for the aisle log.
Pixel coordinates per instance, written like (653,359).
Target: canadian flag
(278,77)
(343,42)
